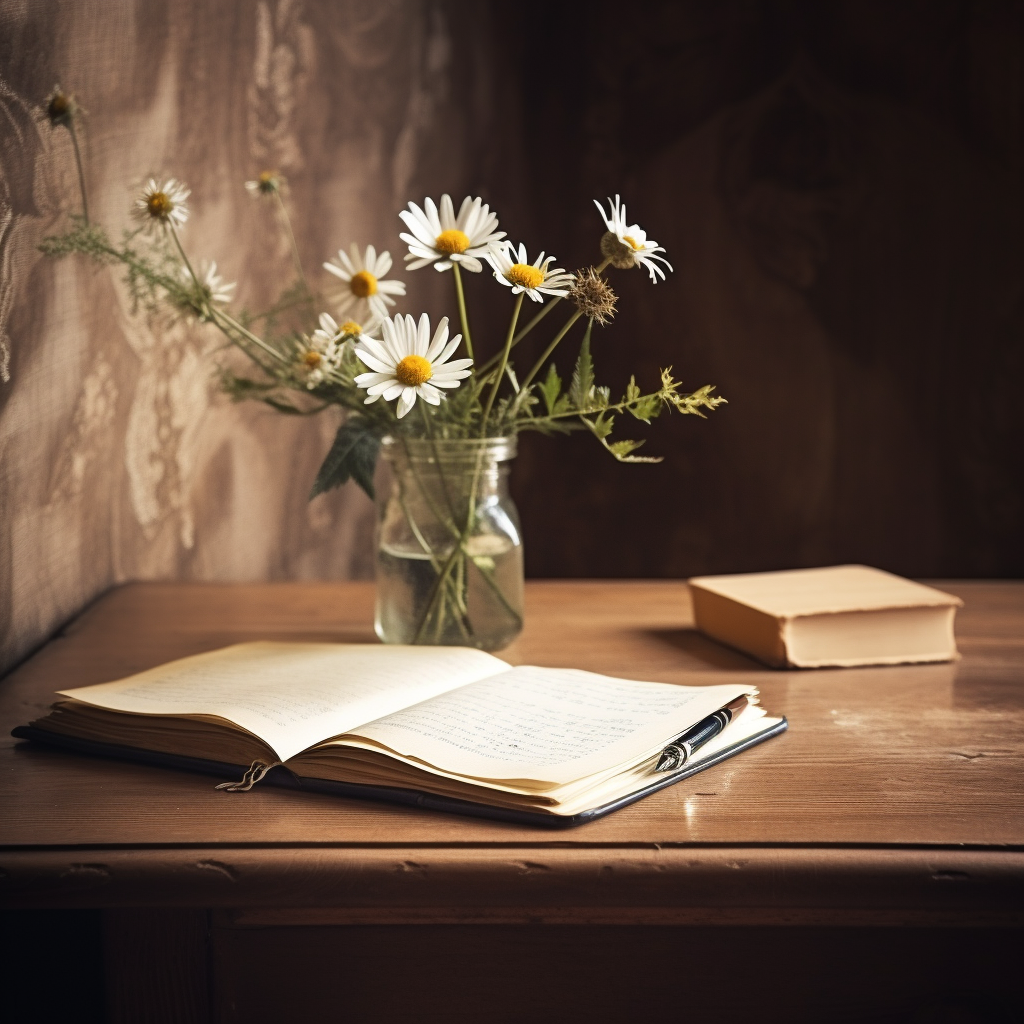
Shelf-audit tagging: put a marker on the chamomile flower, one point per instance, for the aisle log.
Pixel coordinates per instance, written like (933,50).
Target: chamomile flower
(163,205)
(320,354)
(535,279)
(407,359)
(266,184)
(331,331)
(627,245)
(365,295)
(61,107)
(441,238)
(212,288)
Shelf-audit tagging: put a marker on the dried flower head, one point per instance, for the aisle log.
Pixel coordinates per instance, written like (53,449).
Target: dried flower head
(594,296)
(163,205)
(621,254)
(61,107)
(267,184)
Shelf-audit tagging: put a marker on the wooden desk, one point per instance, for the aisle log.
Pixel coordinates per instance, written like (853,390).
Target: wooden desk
(896,799)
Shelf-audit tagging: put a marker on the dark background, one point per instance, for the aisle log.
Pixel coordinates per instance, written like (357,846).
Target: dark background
(839,188)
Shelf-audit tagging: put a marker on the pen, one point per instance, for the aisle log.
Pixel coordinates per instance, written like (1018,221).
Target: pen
(679,751)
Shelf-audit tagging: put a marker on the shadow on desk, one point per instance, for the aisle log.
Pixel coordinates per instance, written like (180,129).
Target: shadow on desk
(704,651)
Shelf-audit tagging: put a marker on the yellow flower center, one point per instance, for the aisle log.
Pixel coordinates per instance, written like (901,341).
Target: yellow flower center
(413,370)
(268,178)
(59,105)
(363,284)
(633,242)
(159,205)
(312,359)
(525,275)
(452,241)
(351,327)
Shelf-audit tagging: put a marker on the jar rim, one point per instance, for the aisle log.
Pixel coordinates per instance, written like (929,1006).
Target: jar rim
(494,449)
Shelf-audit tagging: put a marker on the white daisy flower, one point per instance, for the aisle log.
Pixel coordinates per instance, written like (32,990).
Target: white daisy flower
(441,238)
(629,245)
(212,288)
(266,184)
(324,350)
(163,205)
(407,358)
(365,295)
(330,330)
(535,279)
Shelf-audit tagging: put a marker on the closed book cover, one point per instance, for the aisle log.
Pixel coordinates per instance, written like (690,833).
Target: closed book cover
(836,616)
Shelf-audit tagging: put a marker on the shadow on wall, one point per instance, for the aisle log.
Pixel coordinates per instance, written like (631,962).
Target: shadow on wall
(839,188)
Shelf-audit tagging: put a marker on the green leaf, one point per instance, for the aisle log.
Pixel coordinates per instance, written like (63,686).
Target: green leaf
(551,388)
(632,391)
(583,375)
(621,450)
(602,426)
(352,456)
(646,407)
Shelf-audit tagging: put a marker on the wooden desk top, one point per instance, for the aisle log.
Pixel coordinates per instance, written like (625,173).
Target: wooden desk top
(910,776)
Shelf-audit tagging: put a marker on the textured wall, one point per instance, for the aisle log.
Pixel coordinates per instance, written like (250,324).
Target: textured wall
(119,459)
(840,187)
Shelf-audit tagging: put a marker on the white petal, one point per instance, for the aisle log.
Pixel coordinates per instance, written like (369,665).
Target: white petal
(467,262)
(337,271)
(421,341)
(448,350)
(429,394)
(416,264)
(406,402)
(375,364)
(438,341)
(367,380)
(391,287)
(448,222)
(432,219)
(383,266)
(418,224)
(443,265)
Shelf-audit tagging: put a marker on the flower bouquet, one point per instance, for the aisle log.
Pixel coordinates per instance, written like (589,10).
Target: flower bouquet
(442,412)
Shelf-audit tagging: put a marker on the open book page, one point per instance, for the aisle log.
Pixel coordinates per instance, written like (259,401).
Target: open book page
(570,801)
(543,727)
(291,695)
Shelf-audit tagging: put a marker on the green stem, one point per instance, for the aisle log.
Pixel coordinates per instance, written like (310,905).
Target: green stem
(460,296)
(218,314)
(484,367)
(539,365)
(504,363)
(177,242)
(81,172)
(493,361)
(291,240)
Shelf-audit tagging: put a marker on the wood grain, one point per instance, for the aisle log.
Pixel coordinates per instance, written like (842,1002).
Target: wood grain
(907,755)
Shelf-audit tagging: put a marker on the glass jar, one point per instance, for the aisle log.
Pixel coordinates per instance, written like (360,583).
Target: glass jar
(449,549)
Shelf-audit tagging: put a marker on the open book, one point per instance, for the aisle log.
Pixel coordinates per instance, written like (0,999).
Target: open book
(448,727)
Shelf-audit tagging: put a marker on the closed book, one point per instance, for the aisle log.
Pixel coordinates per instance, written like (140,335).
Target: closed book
(837,616)
(449,728)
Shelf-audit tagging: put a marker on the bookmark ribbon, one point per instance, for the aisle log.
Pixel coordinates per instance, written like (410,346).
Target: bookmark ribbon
(256,772)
